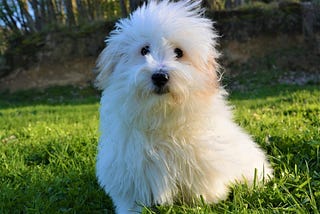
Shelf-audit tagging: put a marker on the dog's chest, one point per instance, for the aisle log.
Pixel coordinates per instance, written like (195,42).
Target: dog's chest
(173,164)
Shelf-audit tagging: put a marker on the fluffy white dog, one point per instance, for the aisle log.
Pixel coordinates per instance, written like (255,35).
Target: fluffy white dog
(167,133)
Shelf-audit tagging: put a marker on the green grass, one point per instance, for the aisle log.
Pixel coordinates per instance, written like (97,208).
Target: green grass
(48,145)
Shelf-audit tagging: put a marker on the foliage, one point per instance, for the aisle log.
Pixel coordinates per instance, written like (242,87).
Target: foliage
(26,16)
(48,146)
(2,42)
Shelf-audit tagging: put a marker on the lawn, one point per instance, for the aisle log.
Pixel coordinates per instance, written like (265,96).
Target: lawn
(48,145)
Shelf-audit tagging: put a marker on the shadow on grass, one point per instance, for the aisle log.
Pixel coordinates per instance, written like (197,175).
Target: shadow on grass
(65,192)
(262,92)
(70,95)
(59,95)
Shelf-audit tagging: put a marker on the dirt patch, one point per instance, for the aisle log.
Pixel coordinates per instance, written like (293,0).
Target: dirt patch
(239,52)
(77,72)
(287,54)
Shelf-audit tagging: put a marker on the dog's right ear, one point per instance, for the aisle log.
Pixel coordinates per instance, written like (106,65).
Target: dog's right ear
(104,67)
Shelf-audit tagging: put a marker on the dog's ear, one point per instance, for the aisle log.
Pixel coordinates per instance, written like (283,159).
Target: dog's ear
(104,66)
(213,71)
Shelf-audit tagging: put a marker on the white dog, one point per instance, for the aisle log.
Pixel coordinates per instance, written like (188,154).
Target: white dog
(167,133)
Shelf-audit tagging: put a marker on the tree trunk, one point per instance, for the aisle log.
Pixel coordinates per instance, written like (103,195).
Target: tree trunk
(237,3)
(70,15)
(228,5)
(123,8)
(134,4)
(51,12)
(82,12)
(30,23)
(43,14)
(90,10)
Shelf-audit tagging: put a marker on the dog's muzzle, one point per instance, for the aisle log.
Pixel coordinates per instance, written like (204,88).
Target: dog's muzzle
(160,80)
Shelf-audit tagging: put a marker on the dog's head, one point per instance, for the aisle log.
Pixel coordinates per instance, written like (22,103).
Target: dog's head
(164,49)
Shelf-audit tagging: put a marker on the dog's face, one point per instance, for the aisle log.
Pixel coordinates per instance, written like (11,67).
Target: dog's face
(163,50)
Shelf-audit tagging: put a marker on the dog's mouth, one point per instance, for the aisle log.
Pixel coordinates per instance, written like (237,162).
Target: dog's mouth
(161,90)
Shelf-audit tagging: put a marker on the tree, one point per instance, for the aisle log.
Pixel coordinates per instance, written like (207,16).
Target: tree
(28,22)
(123,8)
(25,16)
(70,15)
(134,4)
(7,16)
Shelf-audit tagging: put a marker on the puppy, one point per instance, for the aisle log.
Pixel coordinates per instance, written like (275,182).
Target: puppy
(167,133)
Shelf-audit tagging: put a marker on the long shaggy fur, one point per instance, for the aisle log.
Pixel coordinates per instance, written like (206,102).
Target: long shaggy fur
(159,148)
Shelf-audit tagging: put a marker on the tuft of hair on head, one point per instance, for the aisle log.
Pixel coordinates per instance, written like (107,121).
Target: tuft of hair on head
(125,29)
(193,7)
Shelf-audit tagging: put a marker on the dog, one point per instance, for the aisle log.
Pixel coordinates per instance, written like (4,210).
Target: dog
(167,132)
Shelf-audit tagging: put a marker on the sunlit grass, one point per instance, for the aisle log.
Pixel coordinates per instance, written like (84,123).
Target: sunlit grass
(48,146)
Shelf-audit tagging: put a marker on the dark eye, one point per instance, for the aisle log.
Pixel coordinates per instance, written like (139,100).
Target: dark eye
(145,50)
(178,52)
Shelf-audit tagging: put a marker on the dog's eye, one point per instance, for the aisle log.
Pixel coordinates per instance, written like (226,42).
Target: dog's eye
(178,52)
(145,50)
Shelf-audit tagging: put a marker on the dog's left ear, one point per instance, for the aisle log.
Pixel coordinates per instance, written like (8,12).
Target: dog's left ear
(212,69)
(104,66)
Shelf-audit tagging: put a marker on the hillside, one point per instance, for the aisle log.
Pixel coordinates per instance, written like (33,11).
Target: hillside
(254,38)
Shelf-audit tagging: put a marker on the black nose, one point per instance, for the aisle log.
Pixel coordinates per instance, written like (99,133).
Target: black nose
(160,78)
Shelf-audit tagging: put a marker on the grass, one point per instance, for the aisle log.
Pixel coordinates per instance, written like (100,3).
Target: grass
(48,145)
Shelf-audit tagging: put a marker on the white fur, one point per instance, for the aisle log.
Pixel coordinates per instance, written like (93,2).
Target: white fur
(156,149)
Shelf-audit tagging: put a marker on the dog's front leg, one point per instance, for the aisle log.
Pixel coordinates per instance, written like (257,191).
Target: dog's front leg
(126,206)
